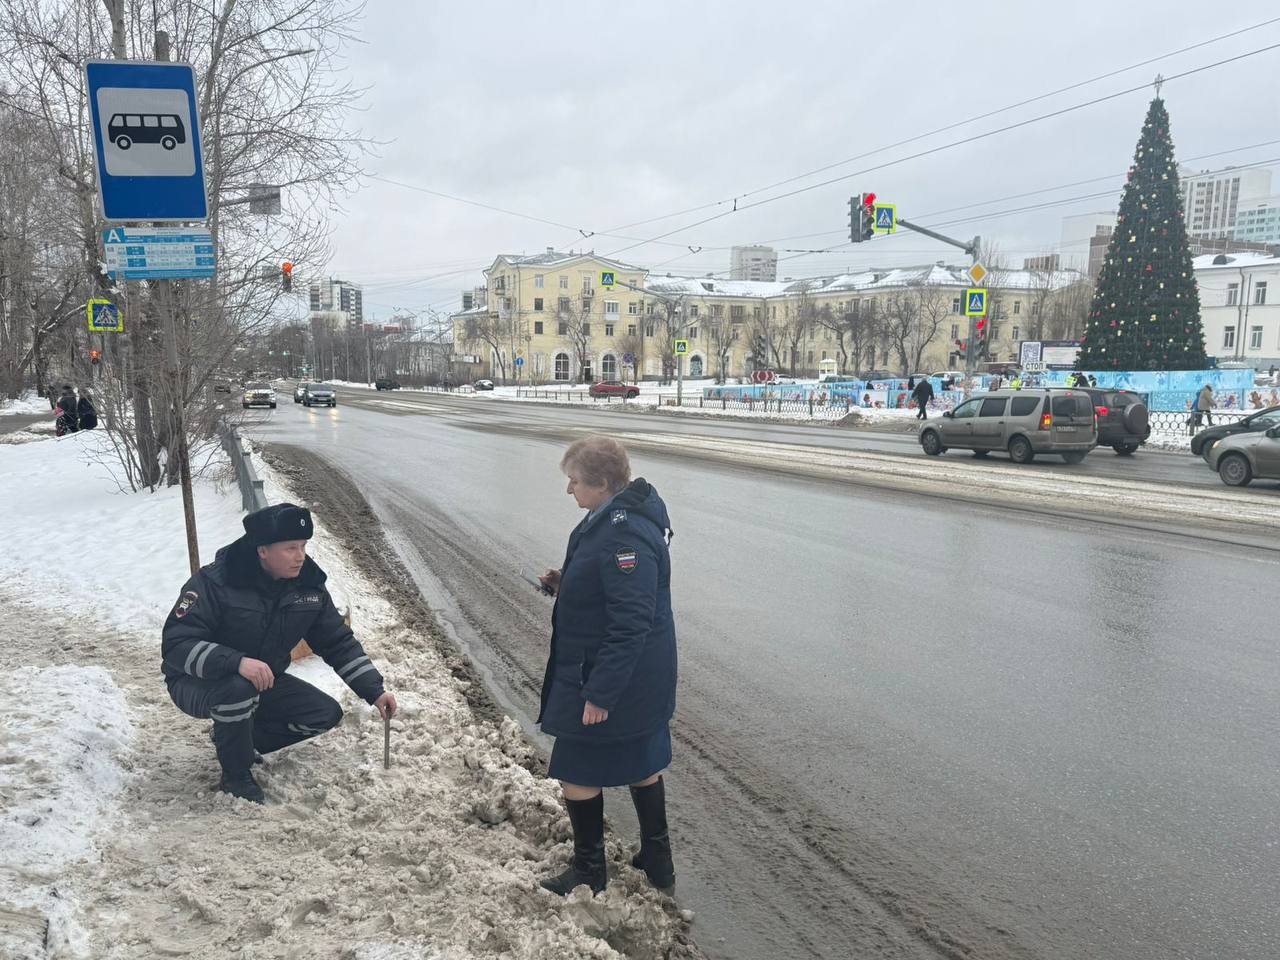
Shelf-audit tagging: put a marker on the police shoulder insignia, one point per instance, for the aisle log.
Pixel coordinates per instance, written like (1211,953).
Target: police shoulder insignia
(626,560)
(618,516)
(186,603)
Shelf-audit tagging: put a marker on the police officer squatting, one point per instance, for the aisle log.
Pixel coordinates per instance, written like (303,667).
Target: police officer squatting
(228,641)
(609,690)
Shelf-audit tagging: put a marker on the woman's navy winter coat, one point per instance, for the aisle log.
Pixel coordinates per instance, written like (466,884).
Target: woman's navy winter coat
(613,639)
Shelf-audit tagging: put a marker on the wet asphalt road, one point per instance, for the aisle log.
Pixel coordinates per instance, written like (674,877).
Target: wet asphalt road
(905,730)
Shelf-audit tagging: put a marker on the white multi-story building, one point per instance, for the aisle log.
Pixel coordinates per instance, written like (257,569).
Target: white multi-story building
(1240,307)
(753,263)
(1259,223)
(338,299)
(1211,199)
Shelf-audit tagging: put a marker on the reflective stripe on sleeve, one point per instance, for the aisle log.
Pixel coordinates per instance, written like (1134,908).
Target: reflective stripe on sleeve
(203,657)
(195,652)
(342,672)
(365,669)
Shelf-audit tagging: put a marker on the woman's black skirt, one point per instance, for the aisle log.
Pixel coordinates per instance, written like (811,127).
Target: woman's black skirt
(613,763)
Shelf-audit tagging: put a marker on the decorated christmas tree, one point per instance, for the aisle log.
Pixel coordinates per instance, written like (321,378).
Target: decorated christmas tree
(1146,307)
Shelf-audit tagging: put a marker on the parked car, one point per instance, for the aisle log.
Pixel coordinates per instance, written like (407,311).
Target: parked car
(483,385)
(1202,443)
(222,386)
(259,395)
(948,374)
(1248,456)
(1123,421)
(1023,422)
(614,388)
(386,383)
(319,395)
(877,375)
(300,391)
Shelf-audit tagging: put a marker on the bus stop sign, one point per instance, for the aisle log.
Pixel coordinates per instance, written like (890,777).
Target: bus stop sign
(146,140)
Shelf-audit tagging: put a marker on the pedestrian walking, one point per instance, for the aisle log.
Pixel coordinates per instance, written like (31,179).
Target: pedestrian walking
(68,420)
(1016,382)
(227,643)
(1093,381)
(86,412)
(922,394)
(609,691)
(1204,405)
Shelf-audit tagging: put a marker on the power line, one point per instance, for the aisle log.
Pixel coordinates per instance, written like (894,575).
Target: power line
(955,143)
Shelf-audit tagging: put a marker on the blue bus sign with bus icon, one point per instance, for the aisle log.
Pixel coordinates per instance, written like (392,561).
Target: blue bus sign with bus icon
(146,139)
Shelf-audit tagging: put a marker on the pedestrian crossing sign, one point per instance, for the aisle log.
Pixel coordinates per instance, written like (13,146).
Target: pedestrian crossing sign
(606,278)
(104,317)
(886,218)
(682,347)
(975,302)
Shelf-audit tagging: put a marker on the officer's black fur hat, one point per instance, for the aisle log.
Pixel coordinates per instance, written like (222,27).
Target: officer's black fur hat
(280,521)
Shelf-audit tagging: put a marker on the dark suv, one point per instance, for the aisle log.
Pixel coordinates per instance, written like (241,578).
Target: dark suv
(386,383)
(1123,421)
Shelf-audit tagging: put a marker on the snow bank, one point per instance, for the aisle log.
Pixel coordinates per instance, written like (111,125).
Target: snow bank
(29,403)
(115,830)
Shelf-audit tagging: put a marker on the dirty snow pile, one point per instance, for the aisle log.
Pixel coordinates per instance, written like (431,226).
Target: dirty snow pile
(112,832)
(29,403)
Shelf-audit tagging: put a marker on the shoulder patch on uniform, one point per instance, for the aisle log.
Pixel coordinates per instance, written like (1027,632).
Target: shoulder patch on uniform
(308,598)
(186,603)
(618,516)
(626,560)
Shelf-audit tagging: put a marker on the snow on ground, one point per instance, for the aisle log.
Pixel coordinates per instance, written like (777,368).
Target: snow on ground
(112,827)
(30,403)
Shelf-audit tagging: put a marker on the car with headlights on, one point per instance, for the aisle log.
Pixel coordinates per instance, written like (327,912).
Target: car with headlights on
(259,395)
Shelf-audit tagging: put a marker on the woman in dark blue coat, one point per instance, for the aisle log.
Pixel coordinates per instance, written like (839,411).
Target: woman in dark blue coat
(610,686)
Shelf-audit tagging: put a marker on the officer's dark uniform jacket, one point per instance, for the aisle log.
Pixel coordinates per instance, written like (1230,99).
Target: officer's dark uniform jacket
(233,609)
(613,639)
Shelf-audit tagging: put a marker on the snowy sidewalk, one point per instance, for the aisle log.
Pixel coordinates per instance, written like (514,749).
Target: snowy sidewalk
(110,826)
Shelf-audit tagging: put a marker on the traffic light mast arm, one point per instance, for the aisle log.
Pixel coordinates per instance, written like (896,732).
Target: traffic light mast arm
(971,248)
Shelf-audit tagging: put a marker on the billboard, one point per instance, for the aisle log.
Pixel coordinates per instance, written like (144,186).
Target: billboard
(1054,354)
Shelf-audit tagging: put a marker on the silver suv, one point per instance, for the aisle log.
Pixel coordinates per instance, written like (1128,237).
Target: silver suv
(319,393)
(1023,422)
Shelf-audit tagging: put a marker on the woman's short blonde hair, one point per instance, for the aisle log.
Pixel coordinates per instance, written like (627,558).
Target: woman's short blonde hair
(599,462)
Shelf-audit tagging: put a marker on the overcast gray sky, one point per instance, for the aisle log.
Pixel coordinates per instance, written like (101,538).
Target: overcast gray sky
(595,116)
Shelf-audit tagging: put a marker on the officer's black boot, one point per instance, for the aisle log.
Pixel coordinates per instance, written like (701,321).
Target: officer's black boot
(242,785)
(588,866)
(654,857)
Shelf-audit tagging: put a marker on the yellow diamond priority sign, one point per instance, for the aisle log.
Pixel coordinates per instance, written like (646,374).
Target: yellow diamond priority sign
(976,273)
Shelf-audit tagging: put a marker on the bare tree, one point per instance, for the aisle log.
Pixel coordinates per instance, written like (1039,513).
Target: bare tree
(494,331)
(575,320)
(272,112)
(1067,310)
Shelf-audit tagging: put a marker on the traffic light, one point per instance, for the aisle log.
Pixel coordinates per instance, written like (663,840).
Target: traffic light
(867,223)
(286,272)
(95,356)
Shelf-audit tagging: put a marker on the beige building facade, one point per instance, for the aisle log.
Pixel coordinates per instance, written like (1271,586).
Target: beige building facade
(554,314)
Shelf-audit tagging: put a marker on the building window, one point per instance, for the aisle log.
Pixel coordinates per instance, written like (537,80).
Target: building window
(611,308)
(608,329)
(564,306)
(1260,292)
(773,313)
(693,310)
(955,331)
(633,308)
(537,327)
(506,303)
(737,312)
(1017,332)
(1233,294)
(564,285)
(1255,338)
(537,304)
(631,329)
(717,311)
(693,333)
(1017,307)
(587,286)
(955,305)
(995,331)
(537,280)
(810,360)
(1228,337)
(648,329)
(586,329)
(564,329)
(609,367)
(562,366)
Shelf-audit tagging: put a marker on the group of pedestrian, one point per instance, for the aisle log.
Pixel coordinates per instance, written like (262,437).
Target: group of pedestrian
(608,692)
(1082,379)
(73,413)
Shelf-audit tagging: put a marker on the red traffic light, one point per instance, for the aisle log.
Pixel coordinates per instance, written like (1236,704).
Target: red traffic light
(869,199)
(95,356)
(982,323)
(287,267)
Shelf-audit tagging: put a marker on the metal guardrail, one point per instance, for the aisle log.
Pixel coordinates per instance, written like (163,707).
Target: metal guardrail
(251,493)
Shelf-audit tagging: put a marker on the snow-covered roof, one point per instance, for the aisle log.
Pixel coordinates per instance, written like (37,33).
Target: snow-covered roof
(930,275)
(556,258)
(1234,261)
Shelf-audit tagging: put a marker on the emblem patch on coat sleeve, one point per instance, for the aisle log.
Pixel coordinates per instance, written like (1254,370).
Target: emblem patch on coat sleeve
(626,560)
(186,603)
(618,516)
